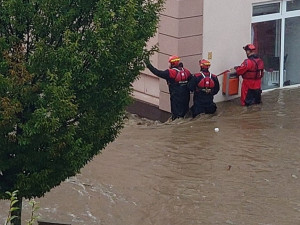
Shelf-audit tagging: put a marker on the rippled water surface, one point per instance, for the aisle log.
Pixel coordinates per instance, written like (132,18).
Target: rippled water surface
(185,173)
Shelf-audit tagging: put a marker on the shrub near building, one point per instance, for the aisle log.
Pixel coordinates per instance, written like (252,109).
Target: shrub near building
(66,68)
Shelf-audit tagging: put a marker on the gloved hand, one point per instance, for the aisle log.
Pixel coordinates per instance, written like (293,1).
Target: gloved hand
(232,70)
(147,62)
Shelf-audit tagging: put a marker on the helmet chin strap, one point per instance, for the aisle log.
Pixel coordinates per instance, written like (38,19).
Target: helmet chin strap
(250,53)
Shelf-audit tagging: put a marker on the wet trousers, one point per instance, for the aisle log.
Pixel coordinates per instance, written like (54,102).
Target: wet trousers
(251,92)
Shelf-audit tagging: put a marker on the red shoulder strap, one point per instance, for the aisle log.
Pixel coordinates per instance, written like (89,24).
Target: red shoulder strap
(172,73)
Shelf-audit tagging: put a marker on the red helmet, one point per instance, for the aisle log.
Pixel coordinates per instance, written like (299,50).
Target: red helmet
(250,47)
(204,63)
(174,60)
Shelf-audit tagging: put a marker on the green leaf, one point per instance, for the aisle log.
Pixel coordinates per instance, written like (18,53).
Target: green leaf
(14,202)
(12,209)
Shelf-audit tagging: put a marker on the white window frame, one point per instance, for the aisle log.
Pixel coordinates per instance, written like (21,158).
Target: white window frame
(282,15)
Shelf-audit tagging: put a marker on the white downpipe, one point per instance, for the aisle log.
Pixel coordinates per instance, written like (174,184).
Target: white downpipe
(282,46)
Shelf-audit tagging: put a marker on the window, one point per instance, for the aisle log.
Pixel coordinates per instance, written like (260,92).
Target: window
(265,9)
(292,51)
(276,34)
(293,5)
(267,41)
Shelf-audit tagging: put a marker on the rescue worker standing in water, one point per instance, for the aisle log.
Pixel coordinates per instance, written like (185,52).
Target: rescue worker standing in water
(251,70)
(204,85)
(177,78)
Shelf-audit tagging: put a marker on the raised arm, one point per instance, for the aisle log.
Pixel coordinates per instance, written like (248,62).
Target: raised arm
(160,73)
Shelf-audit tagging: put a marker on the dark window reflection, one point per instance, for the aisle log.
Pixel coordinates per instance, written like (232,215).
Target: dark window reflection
(265,9)
(293,5)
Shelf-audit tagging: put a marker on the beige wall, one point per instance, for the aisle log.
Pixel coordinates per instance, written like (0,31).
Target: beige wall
(192,29)
(146,87)
(226,29)
(179,33)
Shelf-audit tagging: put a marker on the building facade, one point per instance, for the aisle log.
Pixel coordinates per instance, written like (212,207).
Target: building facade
(217,30)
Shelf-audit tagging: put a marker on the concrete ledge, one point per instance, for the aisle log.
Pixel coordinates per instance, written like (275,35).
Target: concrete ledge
(51,223)
(148,111)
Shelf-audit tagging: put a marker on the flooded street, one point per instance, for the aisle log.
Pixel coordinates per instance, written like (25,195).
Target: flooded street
(185,173)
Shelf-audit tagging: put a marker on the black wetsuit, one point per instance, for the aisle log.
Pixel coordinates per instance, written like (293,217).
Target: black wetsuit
(179,92)
(203,100)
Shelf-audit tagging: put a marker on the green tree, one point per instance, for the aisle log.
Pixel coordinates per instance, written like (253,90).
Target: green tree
(66,68)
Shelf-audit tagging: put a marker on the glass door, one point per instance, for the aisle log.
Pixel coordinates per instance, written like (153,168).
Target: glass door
(276,33)
(266,37)
(291,74)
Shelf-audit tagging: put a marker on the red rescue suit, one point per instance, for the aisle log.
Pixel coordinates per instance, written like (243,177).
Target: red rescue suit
(251,70)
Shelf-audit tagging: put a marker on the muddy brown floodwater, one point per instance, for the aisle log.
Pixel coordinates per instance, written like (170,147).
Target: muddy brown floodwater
(185,173)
